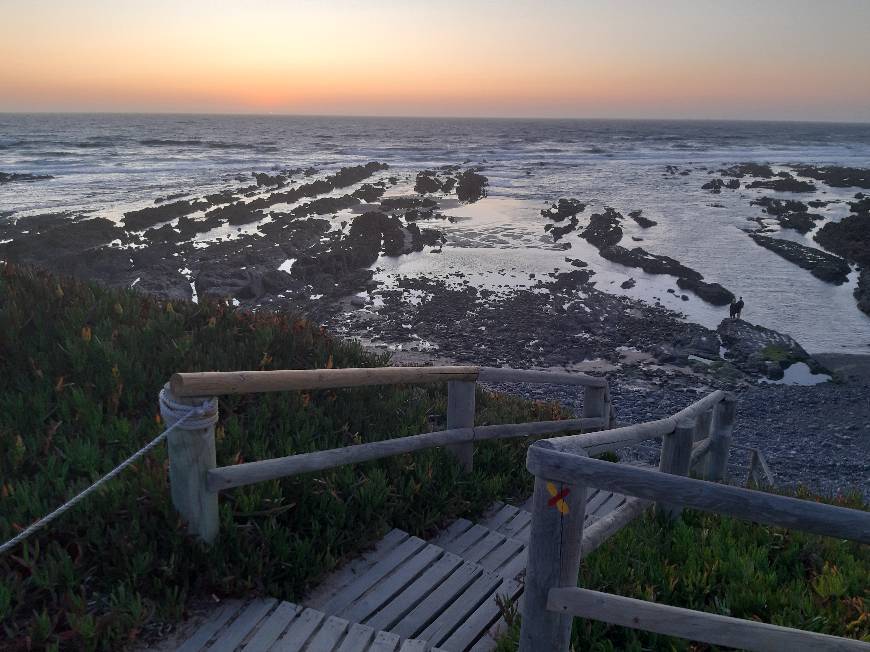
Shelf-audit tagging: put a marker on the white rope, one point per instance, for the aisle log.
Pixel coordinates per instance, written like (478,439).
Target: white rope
(180,415)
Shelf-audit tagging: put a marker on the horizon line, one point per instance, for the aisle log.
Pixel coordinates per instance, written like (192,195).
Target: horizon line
(436,117)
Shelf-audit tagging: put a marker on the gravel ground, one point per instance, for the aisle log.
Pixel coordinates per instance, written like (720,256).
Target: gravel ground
(816,436)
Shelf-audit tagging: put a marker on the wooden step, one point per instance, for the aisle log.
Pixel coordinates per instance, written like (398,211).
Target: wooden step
(270,625)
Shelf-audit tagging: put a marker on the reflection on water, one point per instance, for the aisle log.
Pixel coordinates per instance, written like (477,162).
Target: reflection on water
(499,243)
(799,374)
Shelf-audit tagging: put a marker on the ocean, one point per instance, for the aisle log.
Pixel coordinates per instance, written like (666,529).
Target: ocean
(106,165)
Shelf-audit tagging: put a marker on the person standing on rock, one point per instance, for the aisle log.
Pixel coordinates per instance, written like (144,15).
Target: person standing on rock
(732,309)
(738,308)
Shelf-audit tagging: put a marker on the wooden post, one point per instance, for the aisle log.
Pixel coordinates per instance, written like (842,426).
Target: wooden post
(676,456)
(595,403)
(558,510)
(703,425)
(191,456)
(460,414)
(720,440)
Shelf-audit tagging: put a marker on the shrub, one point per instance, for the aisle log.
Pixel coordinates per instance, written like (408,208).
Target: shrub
(81,368)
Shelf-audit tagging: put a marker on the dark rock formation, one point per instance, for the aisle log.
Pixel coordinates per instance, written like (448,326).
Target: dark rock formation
(404,203)
(9,177)
(471,186)
(710,292)
(850,238)
(558,231)
(755,349)
(650,263)
(563,209)
(644,222)
(604,230)
(836,176)
(370,192)
(142,219)
(773,206)
(427,182)
(822,265)
(748,170)
(784,184)
(862,291)
(264,179)
(716,185)
(627,285)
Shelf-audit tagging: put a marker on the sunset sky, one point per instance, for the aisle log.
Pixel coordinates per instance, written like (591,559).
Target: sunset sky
(766,59)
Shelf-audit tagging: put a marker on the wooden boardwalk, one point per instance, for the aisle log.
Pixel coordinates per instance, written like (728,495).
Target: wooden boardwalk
(405,595)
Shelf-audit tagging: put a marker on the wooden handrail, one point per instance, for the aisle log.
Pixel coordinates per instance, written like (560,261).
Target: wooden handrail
(544,461)
(238,475)
(506,375)
(691,624)
(609,440)
(215,383)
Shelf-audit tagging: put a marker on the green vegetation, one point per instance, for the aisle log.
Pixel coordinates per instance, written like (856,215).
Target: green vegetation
(725,566)
(776,353)
(81,368)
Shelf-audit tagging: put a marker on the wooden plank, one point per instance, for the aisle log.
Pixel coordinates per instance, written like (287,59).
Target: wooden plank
(299,631)
(476,625)
(454,614)
(497,558)
(242,626)
(483,547)
(387,587)
(474,534)
(614,501)
(498,517)
(357,639)
(271,628)
(517,565)
(460,414)
(191,456)
(745,504)
(457,528)
(411,596)
(554,553)
(518,524)
(432,605)
(217,383)
(327,637)
(596,497)
(208,629)
(385,642)
(414,645)
(505,375)
(693,625)
(377,572)
(355,568)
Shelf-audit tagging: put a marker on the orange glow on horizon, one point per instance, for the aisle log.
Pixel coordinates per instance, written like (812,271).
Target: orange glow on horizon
(390,59)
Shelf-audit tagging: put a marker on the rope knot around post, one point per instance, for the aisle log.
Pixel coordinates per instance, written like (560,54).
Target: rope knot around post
(190,416)
(192,454)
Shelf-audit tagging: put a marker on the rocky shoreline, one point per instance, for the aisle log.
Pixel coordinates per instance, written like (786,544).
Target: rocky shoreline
(301,240)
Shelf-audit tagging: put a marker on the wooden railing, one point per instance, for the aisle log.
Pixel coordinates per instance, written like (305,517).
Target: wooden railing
(562,468)
(195,478)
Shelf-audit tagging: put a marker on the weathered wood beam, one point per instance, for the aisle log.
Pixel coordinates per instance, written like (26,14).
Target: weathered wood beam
(504,375)
(216,383)
(558,511)
(227,477)
(693,625)
(460,414)
(745,504)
